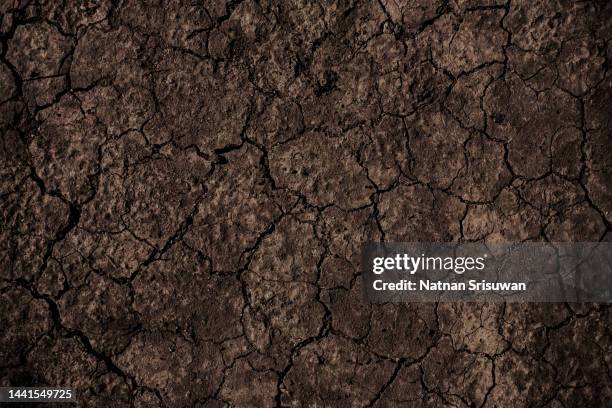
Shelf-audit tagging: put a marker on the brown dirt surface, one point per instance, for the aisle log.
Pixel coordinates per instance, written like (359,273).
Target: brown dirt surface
(185,188)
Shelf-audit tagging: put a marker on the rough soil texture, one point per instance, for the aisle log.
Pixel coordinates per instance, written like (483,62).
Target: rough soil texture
(185,188)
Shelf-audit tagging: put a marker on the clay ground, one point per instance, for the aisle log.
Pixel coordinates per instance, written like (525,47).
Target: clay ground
(185,188)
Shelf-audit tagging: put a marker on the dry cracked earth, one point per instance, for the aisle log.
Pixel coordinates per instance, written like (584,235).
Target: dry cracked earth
(185,188)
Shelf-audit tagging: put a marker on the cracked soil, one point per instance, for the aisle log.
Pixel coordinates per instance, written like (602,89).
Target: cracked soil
(185,188)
